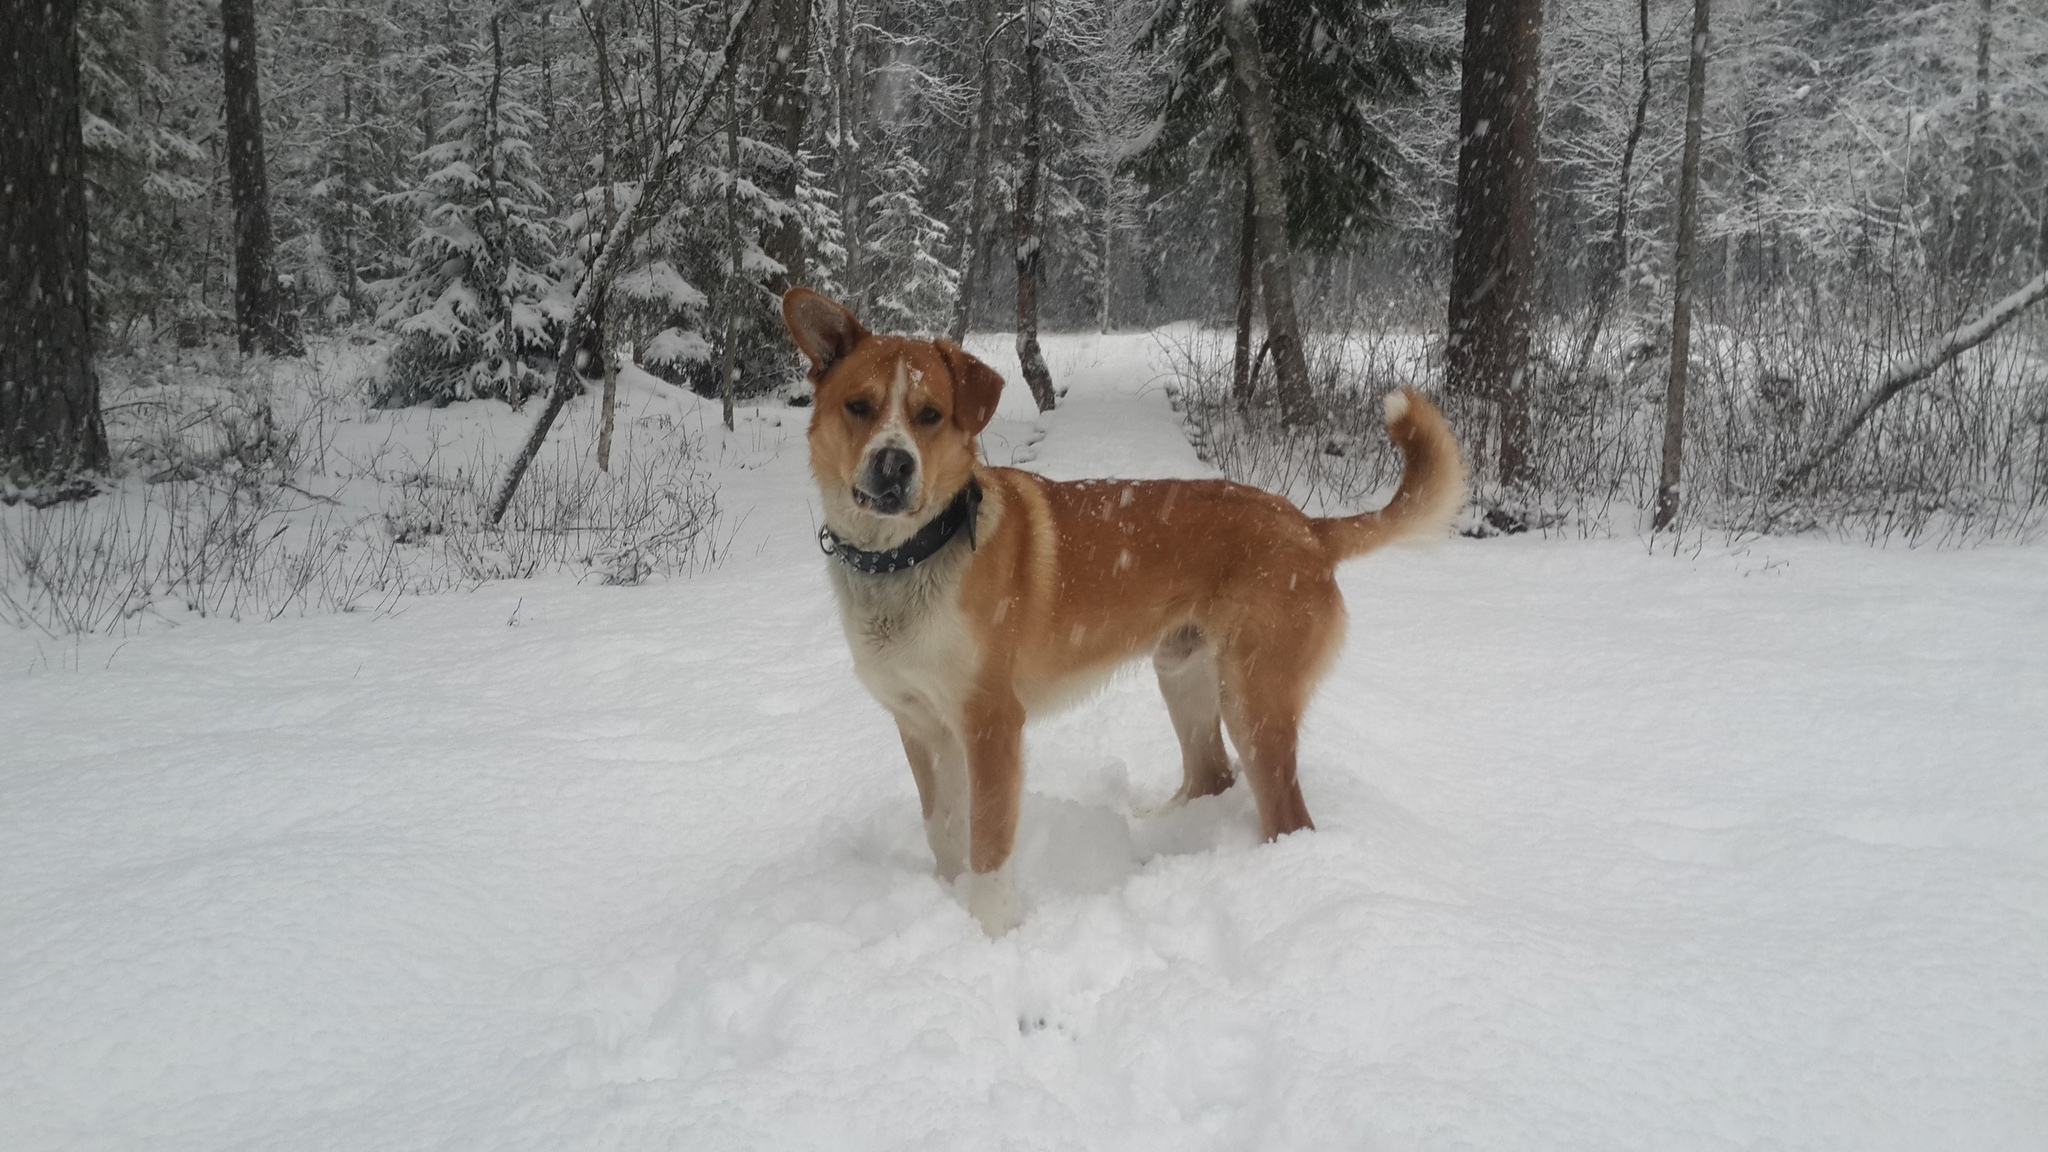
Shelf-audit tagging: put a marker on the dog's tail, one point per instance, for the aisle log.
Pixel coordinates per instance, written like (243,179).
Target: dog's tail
(1432,488)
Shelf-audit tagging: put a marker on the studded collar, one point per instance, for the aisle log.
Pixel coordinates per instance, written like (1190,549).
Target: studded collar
(961,513)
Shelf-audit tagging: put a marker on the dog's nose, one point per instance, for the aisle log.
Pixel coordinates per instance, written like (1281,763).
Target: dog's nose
(893,467)
(887,480)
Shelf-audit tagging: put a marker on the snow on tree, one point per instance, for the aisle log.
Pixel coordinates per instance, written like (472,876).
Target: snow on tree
(469,301)
(905,247)
(147,173)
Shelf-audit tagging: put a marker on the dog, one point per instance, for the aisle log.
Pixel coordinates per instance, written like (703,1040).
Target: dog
(973,597)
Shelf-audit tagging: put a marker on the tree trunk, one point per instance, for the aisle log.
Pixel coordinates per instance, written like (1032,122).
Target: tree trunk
(1247,294)
(1611,276)
(1269,207)
(784,103)
(498,237)
(1108,241)
(259,323)
(734,285)
(1494,221)
(607,172)
(1975,237)
(847,118)
(50,426)
(969,258)
(547,72)
(1681,295)
(1025,223)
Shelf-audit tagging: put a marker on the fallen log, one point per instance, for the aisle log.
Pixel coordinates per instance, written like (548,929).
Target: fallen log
(1919,368)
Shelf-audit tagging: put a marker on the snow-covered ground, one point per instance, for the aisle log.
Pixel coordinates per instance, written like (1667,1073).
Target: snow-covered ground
(1615,850)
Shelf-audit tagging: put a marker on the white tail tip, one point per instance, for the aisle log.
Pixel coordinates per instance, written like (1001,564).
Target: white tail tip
(1397,406)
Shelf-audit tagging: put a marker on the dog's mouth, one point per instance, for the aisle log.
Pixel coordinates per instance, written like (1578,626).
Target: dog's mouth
(887,503)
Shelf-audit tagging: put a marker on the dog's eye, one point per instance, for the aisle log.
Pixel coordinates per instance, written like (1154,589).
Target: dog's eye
(929,416)
(859,409)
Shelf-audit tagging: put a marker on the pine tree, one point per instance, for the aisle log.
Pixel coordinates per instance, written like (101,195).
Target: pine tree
(469,300)
(1331,63)
(50,425)
(915,286)
(147,175)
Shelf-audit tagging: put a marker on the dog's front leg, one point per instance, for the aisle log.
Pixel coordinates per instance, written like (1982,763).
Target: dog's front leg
(994,731)
(940,769)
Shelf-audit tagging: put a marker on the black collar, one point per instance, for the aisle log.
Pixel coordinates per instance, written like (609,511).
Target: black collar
(961,513)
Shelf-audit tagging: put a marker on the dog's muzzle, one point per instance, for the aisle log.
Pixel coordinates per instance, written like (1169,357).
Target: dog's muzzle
(887,482)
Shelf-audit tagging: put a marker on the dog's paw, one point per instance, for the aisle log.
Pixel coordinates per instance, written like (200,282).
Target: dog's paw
(992,899)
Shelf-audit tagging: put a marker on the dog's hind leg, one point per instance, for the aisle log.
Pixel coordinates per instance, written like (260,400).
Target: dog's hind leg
(1191,681)
(1270,671)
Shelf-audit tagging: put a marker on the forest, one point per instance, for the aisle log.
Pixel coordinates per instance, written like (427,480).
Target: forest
(458,672)
(1742,265)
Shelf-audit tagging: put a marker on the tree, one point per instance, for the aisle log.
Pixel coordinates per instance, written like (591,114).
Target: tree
(142,168)
(1972,252)
(1269,211)
(50,429)
(259,302)
(667,143)
(1608,284)
(1024,222)
(1109,82)
(1332,65)
(849,102)
(1673,455)
(1494,221)
(915,288)
(730,296)
(969,261)
(468,301)
(785,103)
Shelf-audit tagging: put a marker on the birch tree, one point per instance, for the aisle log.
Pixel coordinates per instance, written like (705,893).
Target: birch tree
(1269,210)
(1672,457)
(1030,253)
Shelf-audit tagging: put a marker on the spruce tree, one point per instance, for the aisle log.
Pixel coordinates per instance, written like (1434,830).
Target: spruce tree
(914,284)
(469,300)
(1330,62)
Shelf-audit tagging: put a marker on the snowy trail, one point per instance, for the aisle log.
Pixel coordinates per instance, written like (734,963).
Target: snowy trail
(1614,851)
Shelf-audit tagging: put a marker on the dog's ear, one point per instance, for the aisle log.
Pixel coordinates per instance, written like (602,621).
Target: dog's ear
(976,387)
(824,330)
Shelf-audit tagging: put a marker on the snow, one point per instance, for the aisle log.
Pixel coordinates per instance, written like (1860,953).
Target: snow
(1738,848)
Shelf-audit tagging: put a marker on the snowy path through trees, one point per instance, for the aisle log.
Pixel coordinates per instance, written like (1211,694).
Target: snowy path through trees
(1614,851)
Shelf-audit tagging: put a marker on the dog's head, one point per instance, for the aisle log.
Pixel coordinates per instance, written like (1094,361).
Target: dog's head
(895,420)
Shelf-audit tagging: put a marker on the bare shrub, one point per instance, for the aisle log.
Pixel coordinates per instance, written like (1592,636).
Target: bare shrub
(1336,464)
(240,501)
(654,514)
(232,549)
(1960,458)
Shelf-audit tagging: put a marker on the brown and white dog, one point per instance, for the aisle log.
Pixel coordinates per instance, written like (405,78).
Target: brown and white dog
(975,596)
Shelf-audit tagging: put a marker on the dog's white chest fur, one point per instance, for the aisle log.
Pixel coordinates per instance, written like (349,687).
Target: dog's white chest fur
(910,642)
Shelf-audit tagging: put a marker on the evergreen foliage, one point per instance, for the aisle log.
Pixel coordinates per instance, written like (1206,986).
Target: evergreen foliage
(148,177)
(1332,63)
(469,301)
(908,249)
